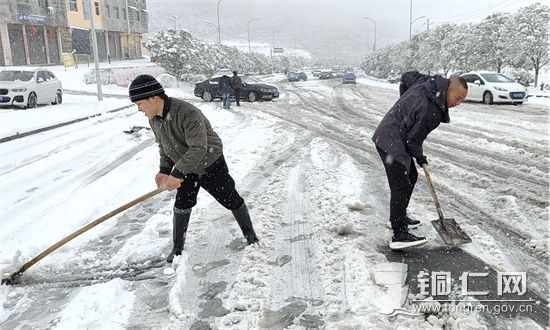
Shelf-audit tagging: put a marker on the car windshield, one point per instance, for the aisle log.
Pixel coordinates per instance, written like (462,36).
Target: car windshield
(496,78)
(250,80)
(13,75)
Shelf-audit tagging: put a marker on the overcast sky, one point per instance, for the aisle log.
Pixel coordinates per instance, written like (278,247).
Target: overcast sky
(324,27)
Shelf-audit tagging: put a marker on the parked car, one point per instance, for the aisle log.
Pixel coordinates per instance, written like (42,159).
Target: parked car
(493,87)
(26,87)
(326,74)
(394,78)
(252,90)
(337,71)
(316,72)
(293,76)
(349,78)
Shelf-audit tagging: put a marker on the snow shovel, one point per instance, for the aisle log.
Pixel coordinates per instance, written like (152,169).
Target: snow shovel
(448,229)
(14,277)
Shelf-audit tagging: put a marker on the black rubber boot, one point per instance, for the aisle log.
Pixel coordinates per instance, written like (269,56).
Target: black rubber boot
(243,219)
(180,222)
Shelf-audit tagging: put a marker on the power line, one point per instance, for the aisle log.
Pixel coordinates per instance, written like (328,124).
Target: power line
(477,12)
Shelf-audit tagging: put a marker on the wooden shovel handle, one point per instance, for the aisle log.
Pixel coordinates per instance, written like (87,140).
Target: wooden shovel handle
(87,227)
(432,191)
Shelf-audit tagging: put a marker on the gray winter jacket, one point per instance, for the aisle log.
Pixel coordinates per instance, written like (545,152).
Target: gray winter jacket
(420,109)
(187,142)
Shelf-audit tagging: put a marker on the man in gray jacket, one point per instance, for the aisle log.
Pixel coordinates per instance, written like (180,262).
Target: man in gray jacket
(423,104)
(191,157)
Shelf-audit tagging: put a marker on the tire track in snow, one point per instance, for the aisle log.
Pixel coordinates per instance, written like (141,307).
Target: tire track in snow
(295,278)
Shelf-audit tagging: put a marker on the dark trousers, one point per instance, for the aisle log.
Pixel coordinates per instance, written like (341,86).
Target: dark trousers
(217,182)
(401,184)
(238,96)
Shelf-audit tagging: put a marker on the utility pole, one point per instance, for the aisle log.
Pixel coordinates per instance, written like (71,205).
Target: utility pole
(106,32)
(374,22)
(219,31)
(248,29)
(96,56)
(128,26)
(410,19)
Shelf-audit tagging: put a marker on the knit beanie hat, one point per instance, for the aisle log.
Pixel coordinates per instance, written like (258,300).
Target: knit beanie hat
(143,87)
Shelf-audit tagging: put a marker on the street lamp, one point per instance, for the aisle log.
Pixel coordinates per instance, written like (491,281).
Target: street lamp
(174,18)
(96,56)
(272,47)
(248,29)
(219,31)
(210,23)
(416,19)
(368,41)
(370,19)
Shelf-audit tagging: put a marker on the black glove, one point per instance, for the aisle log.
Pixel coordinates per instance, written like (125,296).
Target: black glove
(422,160)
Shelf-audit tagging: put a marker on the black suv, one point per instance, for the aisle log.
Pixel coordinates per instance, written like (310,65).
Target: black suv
(252,90)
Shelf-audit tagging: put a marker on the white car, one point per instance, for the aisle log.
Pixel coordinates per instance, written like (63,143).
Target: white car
(26,87)
(493,87)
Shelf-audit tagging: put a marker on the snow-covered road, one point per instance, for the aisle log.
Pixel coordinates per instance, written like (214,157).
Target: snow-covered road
(318,198)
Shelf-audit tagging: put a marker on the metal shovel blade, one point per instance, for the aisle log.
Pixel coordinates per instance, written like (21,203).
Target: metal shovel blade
(450,232)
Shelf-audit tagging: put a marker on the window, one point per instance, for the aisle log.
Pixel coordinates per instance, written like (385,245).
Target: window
(87,10)
(48,75)
(43,3)
(138,16)
(124,13)
(470,78)
(475,77)
(96,5)
(72,5)
(107,11)
(117,12)
(41,76)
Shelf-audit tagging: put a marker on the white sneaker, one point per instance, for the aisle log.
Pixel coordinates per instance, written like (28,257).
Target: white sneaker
(406,240)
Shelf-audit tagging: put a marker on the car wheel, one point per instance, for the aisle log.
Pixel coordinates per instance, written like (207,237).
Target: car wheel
(488,98)
(58,98)
(207,96)
(31,101)
(252,97)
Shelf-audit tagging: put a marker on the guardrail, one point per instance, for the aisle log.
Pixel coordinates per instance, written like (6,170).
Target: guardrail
(47,128)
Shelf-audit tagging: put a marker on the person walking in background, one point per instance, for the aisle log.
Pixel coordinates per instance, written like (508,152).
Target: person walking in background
(224,88)
(191,157)
(236,83)
(423,104)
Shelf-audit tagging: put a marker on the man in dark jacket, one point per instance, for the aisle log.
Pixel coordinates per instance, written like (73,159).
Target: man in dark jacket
(423,104)
(224,88)
(191,157)
(237,87)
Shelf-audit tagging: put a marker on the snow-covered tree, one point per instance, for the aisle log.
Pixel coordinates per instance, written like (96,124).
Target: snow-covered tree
(531,38)
(516,43)
(181,54)
(468,41)
(493,49)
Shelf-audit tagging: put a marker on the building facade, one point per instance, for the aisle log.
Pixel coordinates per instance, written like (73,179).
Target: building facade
(36,32)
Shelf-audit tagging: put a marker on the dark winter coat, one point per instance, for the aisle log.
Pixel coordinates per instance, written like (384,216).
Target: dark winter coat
(187,142)
(420,109)
(236,82)
(224,86)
